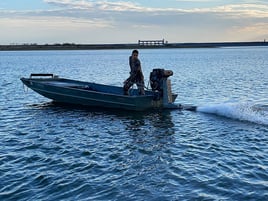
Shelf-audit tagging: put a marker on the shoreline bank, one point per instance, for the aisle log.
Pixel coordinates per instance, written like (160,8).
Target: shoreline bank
(72,46)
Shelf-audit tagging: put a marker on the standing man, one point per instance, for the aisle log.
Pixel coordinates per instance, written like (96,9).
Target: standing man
(136,75)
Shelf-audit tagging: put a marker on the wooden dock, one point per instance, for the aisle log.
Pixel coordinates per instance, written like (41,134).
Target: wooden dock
(151,42)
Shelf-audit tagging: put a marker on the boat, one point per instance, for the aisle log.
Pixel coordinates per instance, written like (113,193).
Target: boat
(92,94)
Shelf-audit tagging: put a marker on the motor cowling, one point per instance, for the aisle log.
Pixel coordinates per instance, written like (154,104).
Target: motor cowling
(156,78)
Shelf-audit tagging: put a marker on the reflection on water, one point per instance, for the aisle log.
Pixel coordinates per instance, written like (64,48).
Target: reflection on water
(113,149)
(134,121)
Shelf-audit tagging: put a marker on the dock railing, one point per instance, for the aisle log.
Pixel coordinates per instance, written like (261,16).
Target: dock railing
(151,42)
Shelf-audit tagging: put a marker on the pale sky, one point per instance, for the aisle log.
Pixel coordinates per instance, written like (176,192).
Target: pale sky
(118,21)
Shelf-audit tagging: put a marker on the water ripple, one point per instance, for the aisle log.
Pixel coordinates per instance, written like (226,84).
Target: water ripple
(57,152)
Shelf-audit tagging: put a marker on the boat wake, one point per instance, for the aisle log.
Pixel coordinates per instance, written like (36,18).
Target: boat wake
(240,111)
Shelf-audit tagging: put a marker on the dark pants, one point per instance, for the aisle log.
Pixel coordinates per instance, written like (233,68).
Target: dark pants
(134,78)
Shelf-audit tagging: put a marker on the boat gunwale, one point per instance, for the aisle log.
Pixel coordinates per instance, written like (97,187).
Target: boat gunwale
(85,98)
(46,81)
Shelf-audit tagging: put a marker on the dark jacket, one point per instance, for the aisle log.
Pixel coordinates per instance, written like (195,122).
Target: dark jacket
(135,65)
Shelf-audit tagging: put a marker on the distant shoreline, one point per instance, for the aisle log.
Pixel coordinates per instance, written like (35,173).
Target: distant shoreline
(73,46)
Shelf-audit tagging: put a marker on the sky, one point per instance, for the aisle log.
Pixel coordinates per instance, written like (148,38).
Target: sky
(118,21)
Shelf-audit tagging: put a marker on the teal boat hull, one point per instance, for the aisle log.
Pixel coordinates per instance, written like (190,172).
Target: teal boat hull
(94,95)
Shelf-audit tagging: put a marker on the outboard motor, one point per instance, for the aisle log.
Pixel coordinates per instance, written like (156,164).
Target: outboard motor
(157,76)
(160,83)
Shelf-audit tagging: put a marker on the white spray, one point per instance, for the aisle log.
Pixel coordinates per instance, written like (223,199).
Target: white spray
(241,111)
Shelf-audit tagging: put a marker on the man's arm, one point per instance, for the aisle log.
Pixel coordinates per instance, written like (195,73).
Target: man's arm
(130,63)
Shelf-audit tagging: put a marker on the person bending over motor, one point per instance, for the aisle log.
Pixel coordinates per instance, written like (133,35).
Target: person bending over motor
(136,75)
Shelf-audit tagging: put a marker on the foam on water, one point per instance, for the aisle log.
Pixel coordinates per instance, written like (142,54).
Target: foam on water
(241,111)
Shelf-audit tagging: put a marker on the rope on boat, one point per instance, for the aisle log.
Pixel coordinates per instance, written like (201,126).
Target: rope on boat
(145,87)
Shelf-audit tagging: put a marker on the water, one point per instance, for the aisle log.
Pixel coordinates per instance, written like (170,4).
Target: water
(55,152)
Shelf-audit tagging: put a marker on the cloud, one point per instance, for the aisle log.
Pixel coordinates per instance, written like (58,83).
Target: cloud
(253,29)
(232,10)
(98,5)
(120,21)
(244,10)
(124,11)
(135,13)
(57,22)
(51,30)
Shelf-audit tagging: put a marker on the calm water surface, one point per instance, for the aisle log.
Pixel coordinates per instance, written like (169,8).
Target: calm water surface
(55,152)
